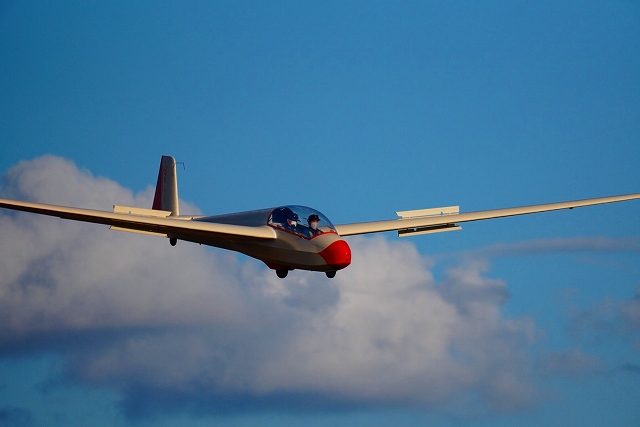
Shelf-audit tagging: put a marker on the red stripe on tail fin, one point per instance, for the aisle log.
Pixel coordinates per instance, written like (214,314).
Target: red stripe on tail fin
(157,199)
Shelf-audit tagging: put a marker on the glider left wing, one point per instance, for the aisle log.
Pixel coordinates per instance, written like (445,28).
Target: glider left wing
(173,226)
(420,224)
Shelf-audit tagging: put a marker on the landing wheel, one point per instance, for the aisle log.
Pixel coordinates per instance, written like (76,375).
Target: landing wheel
(173,241)
(282,273)
(330,274)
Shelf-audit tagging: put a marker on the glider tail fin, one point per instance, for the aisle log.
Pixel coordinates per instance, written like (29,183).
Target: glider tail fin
(166,197)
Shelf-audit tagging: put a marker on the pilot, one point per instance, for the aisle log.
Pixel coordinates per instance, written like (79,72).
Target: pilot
(313,221)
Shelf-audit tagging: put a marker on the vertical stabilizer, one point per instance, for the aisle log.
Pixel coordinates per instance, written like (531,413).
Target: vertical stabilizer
(166,198)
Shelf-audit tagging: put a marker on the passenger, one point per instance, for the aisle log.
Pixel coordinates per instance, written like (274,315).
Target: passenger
(285,219)
(292,222)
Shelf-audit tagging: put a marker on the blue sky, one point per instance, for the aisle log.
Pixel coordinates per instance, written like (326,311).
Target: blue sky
(358,109)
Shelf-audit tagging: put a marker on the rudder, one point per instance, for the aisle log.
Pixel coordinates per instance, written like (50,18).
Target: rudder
(166,197)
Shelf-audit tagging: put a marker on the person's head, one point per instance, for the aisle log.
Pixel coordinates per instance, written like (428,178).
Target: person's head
(292,219)
(313,221)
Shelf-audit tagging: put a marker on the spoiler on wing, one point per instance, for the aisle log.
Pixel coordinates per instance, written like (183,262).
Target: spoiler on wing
(424,213)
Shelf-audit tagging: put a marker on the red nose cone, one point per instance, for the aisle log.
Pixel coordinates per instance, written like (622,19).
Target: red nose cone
(337,255)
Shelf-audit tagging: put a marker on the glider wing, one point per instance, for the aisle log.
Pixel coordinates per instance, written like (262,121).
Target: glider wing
(445,219)
(172,226)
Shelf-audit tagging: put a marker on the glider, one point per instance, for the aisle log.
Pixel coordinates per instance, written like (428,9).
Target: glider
(284,238)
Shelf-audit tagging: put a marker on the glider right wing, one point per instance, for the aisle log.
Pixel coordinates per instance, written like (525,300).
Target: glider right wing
(146,221)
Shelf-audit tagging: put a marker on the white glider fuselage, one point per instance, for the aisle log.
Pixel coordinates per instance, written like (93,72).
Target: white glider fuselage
(296,245)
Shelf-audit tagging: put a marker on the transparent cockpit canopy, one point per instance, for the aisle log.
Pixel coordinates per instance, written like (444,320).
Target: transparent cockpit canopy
(300,220)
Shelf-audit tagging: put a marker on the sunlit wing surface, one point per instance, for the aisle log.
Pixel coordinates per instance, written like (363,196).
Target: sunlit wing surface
(445,219)
(172,226)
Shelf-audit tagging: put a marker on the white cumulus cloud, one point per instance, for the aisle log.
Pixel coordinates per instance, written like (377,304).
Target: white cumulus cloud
(207,328)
